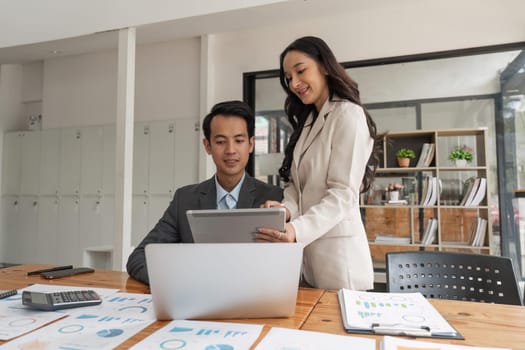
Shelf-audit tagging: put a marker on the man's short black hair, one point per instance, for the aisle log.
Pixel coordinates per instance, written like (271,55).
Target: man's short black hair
(230,108)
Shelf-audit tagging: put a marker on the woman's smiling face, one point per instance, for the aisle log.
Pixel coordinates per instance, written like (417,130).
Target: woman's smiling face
(306,78)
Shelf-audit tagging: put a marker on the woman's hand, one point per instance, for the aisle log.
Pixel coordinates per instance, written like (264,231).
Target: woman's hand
(275,204)
(266,235)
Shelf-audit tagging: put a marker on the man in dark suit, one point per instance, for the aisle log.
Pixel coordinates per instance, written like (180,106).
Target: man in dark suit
(228,138)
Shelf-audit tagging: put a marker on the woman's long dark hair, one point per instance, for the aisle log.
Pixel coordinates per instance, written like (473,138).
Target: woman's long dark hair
(339,84)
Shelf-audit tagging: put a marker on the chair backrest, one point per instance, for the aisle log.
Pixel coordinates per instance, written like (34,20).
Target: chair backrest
(454,276)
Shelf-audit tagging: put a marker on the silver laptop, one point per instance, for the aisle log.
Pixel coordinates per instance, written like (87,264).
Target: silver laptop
(233,225)
(222,281)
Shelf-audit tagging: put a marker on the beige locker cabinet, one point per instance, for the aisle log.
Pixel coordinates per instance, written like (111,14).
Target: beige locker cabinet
(91,164)
(161,159)
(49,162)
(70,161)
(11,167)
(141,158)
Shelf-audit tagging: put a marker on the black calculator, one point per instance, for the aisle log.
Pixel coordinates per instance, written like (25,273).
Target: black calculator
(60,300)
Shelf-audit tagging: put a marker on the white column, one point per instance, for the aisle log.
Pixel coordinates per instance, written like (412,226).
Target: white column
(124,148)
(206,165)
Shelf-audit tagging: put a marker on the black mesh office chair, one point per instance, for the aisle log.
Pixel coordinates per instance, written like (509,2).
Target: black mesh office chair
(454,276)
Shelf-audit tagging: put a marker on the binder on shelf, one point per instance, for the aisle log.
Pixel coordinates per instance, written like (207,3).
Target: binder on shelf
(392,314)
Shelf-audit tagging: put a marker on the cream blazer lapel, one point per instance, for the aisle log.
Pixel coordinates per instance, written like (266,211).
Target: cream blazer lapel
(308,135)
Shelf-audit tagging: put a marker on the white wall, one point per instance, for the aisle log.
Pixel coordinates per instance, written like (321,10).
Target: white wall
(11,107)
(167,80)
(81,90)
(392,28)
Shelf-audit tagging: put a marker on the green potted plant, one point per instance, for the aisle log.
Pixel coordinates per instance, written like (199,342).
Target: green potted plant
(404,155)
(461,155)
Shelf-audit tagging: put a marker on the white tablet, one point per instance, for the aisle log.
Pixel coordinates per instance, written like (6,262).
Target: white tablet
(233,225)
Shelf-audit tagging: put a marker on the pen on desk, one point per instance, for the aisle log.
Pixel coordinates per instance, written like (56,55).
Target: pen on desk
(58,268)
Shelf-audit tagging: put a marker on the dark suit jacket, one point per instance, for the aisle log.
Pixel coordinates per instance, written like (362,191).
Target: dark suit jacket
(173,227)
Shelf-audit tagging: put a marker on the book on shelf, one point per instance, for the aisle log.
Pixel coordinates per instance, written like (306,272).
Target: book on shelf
(426,156)
(479,231)
(431,186)
(430,155)
(430,232)
(388,238)
(480,193)
(473,183)
(424,150)
(397,343)
(385,313)
(427,190)
(434,192)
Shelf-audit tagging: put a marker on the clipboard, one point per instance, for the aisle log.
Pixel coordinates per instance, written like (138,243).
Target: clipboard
(400,314)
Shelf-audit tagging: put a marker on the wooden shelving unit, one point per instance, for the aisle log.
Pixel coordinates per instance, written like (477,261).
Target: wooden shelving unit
(408,220)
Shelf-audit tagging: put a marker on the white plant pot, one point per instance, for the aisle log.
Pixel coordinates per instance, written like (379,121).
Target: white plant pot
(394,195)
(461,162)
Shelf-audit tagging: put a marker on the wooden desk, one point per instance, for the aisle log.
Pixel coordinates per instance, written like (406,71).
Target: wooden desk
(489,325)
(16,277)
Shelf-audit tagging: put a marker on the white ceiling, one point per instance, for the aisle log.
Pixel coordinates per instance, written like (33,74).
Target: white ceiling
(231,20)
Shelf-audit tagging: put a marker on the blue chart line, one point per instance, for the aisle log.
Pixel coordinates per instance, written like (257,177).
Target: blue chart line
(234,333)
(119,299)
(86,316)
(180,329)
(108,318)
(371,305)
(131,320)
(366,314)
(208,332)
(219,347)
(147,300)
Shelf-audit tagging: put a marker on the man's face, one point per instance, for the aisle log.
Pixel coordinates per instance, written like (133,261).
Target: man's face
(230,147)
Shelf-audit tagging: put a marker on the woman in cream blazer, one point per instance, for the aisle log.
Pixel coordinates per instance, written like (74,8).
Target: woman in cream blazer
(329,161)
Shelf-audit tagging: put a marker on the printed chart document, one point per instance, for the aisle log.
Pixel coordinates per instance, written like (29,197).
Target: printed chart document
(392,343)
(81,332)
(284,338)
(392,314)
(17,319)
(183,334)
(104,326)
